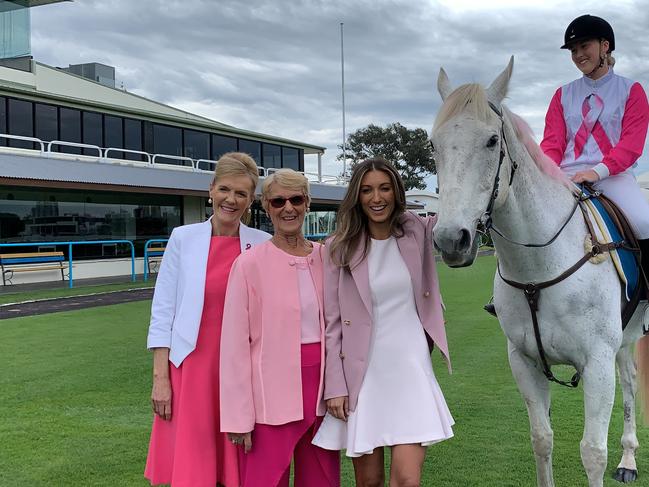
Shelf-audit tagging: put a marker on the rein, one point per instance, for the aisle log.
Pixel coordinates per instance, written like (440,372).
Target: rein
(531,290)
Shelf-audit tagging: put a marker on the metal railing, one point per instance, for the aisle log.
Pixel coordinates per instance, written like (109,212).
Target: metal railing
(147,248)
(128,151)
(73,144)
(48,149)
(70,245)
(26,139)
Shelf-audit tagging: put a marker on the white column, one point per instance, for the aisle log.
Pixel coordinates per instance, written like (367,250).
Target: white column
(319,167)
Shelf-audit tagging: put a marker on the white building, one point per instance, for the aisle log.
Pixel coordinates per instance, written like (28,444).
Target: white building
(428,199)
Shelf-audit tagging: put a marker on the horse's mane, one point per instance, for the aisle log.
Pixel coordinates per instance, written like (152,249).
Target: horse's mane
(471,99)
(543,162)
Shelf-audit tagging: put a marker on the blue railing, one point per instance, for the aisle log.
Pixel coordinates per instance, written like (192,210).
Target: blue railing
(151,252)
(70,244)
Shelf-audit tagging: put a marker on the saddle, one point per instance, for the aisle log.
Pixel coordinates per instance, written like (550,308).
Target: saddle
(609,227)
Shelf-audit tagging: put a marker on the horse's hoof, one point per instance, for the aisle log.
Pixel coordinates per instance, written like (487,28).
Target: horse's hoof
(625,475)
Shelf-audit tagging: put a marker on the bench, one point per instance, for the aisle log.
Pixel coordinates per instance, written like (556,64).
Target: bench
(154,257)
(29,262)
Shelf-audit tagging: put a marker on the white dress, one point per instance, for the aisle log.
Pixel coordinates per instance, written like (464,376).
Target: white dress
(400,401)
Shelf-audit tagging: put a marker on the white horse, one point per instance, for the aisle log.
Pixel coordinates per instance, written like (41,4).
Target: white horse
(487,162)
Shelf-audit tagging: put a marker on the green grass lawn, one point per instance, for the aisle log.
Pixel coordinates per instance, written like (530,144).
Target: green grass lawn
(74,403)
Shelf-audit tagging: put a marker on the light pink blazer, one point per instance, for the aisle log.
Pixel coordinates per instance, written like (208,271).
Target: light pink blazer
(261,377)
(348,307)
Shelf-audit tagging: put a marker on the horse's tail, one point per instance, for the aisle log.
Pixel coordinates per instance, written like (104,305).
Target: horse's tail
(642,353)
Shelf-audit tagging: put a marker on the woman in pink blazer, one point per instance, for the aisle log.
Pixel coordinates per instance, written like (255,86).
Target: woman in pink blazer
(272,355)
(383,314)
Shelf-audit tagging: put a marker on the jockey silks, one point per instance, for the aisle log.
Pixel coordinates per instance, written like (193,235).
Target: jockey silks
(619,130)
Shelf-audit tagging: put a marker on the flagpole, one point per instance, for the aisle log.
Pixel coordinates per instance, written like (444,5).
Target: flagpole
(342,71)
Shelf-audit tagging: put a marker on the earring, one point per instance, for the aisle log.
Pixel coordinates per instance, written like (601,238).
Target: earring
(209,200)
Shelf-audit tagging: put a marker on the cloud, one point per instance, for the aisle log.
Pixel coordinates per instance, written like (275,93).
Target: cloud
(274,66)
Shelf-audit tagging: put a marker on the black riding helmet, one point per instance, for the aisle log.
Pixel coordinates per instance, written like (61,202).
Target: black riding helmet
(588,27)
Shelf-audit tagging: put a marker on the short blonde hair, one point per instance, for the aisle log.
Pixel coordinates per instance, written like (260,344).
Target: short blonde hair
(237,164)
(286,178)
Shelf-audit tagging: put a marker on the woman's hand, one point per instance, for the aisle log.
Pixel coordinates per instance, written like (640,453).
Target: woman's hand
(338,407)
(244,439)
(161,397)
(589,176)
(161,393)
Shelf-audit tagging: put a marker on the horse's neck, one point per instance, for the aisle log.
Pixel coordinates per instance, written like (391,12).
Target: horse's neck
(535,208)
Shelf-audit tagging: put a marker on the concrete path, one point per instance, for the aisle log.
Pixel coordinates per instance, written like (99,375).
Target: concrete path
(71,303)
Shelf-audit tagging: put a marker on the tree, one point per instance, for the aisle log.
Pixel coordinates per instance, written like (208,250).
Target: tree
(407,149)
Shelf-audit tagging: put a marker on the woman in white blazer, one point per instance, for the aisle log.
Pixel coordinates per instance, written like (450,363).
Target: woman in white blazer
(186,446)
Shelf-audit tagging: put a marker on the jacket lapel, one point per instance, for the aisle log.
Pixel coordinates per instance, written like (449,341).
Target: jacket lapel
(361,273)
(411,255)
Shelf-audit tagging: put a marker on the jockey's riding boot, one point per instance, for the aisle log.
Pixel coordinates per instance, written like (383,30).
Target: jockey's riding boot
(490,307)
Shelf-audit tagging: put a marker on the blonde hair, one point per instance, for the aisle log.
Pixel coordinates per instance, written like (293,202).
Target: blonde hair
(237,164)
(610,59)
(286,178)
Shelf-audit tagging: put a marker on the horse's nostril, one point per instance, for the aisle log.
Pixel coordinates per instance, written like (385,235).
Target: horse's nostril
(465,239)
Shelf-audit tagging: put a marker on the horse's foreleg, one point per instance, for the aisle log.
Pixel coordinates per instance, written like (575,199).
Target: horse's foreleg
(627,470)
(536,391)
(599,393)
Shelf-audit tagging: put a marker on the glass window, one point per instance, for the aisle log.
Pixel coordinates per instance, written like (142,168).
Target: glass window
(70,129)
(251,147)
(197,144)
(290,158)
(222,144)
(32,215)
(133,138)
(46,122)
(113,134)
(3,119)
(168,140)
(272,155)
(92,131)
(20,121)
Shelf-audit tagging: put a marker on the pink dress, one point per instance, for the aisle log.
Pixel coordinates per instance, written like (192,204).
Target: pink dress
(190,450)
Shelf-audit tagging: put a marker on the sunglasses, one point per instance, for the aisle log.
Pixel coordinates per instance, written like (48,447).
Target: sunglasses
(279,202)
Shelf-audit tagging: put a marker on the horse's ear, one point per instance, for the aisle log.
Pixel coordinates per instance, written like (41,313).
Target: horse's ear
(498,89)
(443,84)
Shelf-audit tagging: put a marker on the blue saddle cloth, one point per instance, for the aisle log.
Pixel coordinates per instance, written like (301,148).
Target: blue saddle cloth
(624,260)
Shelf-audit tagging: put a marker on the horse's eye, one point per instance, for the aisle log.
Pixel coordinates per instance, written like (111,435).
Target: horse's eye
(493,140)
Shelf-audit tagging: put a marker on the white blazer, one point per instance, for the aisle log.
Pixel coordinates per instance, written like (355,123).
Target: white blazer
(177,305)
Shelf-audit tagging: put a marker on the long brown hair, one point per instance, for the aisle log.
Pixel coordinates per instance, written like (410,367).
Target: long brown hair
(351,221)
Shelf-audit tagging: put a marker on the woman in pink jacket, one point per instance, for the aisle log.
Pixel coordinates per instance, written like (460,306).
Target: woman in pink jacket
(383,311)
(272,355)
(596,126)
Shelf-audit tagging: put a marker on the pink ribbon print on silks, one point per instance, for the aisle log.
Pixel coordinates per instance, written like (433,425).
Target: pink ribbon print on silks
(591,109)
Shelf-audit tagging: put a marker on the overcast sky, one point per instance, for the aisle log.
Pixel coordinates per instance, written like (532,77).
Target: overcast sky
(274,66)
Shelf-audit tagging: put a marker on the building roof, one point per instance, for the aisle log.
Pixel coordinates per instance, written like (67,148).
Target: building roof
(83,172)
(35,3)
(49,83)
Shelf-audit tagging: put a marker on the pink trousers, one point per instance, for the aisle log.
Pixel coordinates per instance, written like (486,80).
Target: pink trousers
(268,463)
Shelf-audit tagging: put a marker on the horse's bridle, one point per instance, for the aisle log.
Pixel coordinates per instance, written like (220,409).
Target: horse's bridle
(485,221)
